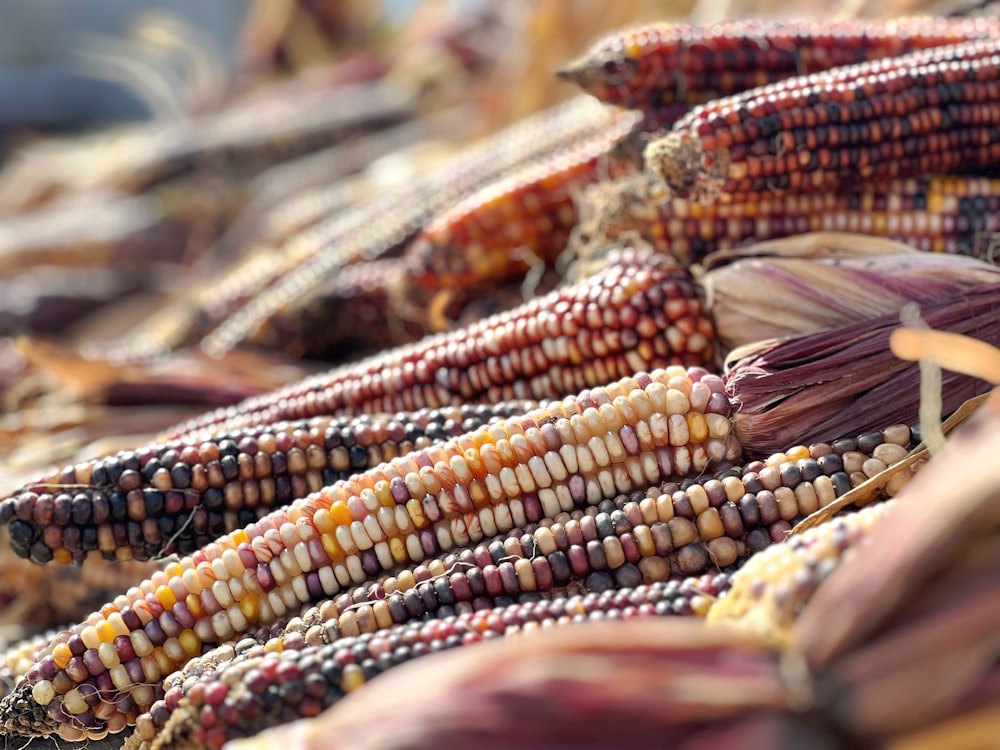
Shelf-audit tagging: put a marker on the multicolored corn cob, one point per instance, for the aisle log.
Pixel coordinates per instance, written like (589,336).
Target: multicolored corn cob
(598,444)
(931,112)
(382,227)
(495,233)
(768,593)
(665,63)
(938,214)
(258,689)
(18,657)
(641,312)
(179,496)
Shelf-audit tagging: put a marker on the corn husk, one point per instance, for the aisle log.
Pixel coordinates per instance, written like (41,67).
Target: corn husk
(846,380)
(807,284)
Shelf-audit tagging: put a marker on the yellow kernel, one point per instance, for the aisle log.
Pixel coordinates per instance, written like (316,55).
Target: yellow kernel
(250,606)
(397,548)
(333,550)
(352,678)
(324,521)
(190,642)
(166,597)
(797,453)
(173,570)
(239,537)
(61,655)
(383,494)
(340,513)
(162,661)
(416,512)
(105,632)
(697,426)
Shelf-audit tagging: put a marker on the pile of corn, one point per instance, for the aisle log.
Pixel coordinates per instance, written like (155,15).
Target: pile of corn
(642,483)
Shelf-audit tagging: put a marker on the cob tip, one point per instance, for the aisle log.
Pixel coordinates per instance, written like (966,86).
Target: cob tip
(684,167)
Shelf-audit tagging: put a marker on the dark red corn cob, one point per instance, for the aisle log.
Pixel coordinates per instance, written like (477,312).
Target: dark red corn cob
(258,689)
(351,311)
(178,496)
(937,214)
(381,227)
(664,64)
(497,232)
(931,112)
(365,308)
(640,312)
(598,444)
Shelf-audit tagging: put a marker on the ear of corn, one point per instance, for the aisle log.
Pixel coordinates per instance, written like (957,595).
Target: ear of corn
(530,212)
(665,63)
(951,214)
(262,686)
(930,112)
(576,452)
(179,496)
(640,312)
(382,227)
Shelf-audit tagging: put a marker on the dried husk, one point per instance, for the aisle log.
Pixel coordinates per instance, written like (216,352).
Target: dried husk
(758,298)
(846,380)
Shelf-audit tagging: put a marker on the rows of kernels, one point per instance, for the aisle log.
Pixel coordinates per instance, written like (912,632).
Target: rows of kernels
(351,311)
(181,495)
(662,424)
(931,112)
(382,226)
(668,531)
(639,313)
(263,685)
(530,211)
(770,591)
(664,63)
(934,214)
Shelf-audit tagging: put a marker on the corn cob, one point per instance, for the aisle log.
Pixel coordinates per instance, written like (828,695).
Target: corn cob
(365,308)
(354,310)
(638,313)
(597,444)
(305,681)
(668,531)
(935,214)
(929,112)
(663,64)
(530,212)
(382,227)
(179,496)
(18,657)
(771,590)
